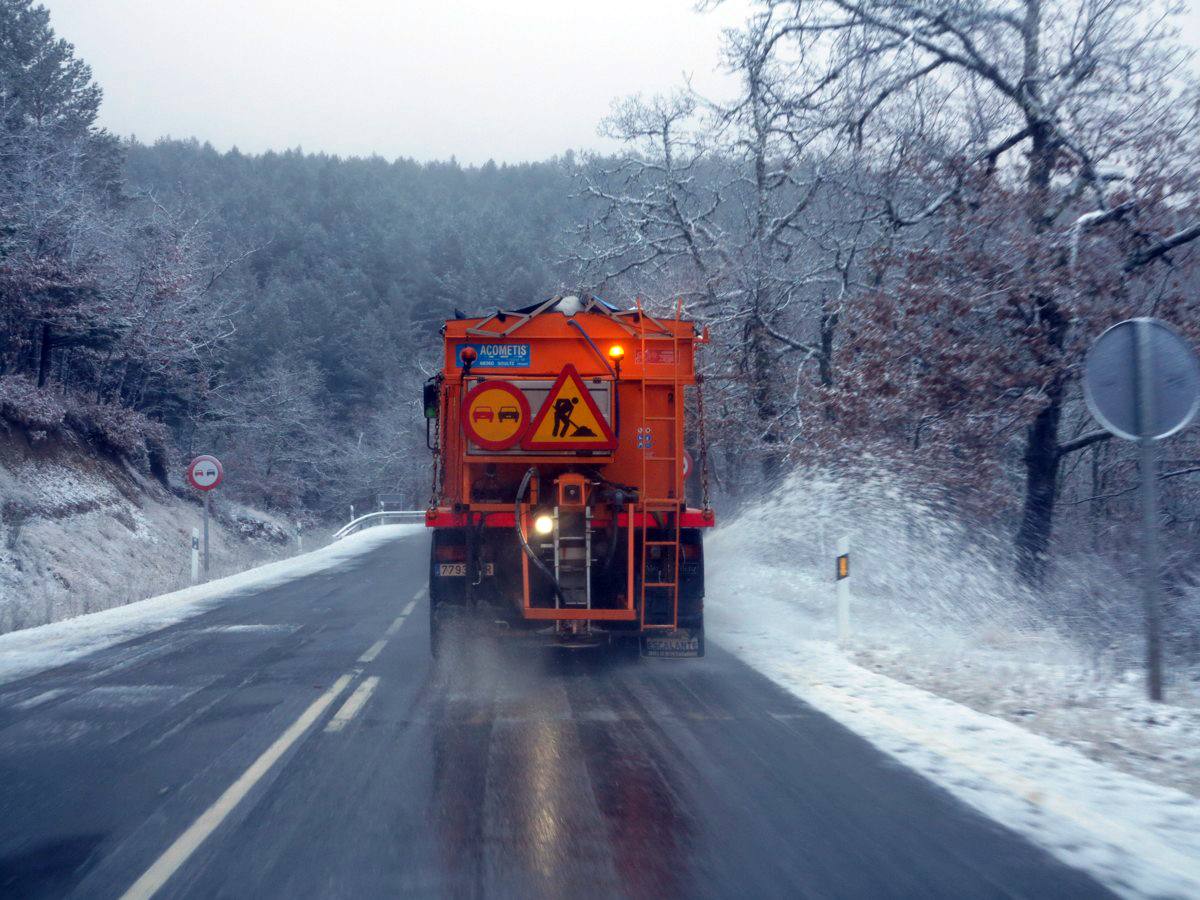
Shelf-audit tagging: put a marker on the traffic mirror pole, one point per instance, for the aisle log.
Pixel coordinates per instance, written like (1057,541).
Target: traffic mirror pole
(1141,381)
(1148,471)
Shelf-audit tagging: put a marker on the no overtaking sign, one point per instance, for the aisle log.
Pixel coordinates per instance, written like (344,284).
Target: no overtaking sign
(204,473)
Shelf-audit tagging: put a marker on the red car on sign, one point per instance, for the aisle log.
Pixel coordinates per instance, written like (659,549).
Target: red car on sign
(483,414)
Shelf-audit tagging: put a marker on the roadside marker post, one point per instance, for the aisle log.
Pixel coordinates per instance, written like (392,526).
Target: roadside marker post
(195,555)
(1141,382)
(843,589)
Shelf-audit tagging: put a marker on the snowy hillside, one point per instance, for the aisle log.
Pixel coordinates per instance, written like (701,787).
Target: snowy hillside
(81,532)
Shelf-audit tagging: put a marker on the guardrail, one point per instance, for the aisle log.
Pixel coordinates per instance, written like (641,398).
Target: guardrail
(379,518)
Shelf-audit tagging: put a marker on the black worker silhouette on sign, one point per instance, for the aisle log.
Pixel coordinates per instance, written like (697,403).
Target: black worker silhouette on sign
(562,415)
(563,408)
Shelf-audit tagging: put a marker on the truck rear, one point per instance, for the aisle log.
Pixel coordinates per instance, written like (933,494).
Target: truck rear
(559,508)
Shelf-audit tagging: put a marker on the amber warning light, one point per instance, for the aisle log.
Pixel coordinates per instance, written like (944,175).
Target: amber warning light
(843,566)
(616,352)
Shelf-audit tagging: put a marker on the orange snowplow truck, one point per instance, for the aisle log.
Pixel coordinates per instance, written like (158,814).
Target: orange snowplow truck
(559,506)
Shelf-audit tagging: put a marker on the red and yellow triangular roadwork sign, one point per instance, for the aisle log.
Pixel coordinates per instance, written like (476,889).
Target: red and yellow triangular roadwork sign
(569,419)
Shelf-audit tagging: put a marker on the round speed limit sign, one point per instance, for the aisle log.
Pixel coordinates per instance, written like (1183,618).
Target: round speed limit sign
(204,473)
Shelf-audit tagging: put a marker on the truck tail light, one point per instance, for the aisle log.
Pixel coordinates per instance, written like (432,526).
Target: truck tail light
(451,553)
(691,551)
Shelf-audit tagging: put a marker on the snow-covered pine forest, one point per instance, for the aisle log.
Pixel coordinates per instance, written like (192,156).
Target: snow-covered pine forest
(905,229)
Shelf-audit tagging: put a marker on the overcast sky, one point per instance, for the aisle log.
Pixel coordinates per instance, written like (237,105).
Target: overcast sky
(509,80)
(477,79)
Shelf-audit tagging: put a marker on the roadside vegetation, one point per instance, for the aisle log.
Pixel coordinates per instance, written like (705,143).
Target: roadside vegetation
(905,229)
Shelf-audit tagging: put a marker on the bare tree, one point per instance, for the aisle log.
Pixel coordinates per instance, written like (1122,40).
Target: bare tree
(1069,124)
(723,204)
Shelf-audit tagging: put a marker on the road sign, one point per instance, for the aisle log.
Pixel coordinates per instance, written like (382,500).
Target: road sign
(496,356)
(495,414)
(569,419)
(1142,383)
(1172,380)
(204,473)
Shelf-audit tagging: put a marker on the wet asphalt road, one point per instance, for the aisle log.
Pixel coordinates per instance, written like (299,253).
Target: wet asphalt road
(194,755)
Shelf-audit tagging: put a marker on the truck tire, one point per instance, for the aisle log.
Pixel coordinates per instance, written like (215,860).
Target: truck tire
(691,579)
(691,584)
(435,628)
(443,591)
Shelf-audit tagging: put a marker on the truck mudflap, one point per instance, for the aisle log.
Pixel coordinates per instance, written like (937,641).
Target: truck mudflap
(682,643)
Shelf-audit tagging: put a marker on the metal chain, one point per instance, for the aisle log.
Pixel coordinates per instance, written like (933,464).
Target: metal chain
(703,442)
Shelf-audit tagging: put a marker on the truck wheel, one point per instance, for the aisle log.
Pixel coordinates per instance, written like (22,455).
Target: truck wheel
(436,627)
(695,624)
(444,591)
(626,650)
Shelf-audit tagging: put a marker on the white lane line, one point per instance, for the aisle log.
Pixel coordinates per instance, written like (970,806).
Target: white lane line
(187,843)
(353,704)
(421,593)
(394,627)
(408,609)
(44,697)
(373,650)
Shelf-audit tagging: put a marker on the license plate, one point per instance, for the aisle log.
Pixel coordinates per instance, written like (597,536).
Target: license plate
(682,644)
(459,570)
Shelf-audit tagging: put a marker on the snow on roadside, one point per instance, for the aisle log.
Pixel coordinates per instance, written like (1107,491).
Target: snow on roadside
(80,533)
(33,650)
(1102,713)
(1139,838)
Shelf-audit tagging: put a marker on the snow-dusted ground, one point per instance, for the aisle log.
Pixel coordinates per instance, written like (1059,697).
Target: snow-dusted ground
(1132,829)
(1104,715)
(35,649)
(79,534)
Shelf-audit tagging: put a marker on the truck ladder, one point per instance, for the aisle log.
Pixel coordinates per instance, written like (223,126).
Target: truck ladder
(654,458)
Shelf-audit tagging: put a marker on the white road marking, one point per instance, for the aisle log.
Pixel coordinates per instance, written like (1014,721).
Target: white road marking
(421,593)
(239,629)
(394,627)
(353,704)
(408,609)
(187,843)
(45,697)
(373,651)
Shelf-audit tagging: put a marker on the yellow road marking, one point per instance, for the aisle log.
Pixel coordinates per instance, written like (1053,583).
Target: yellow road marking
(373,651)
(353,704)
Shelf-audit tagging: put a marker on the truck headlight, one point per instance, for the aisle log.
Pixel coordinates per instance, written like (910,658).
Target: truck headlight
(543,524)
